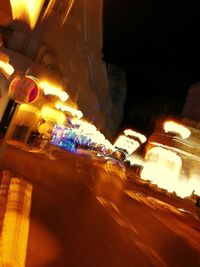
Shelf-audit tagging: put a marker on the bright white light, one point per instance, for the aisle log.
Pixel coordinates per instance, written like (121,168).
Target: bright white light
(50,89)
(141,137)
(6,67)
(74,112)
(90,130)
(173,127)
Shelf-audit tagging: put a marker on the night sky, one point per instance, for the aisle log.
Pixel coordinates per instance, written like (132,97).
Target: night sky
(157,44)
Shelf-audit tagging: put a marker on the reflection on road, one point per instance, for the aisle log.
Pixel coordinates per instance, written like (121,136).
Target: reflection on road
(134,225)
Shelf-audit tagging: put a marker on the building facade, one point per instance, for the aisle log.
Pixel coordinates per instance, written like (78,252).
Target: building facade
(66,54)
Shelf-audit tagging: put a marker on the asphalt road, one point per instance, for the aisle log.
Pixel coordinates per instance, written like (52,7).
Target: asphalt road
(87,213)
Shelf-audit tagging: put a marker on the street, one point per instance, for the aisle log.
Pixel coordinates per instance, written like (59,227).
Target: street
(86,212)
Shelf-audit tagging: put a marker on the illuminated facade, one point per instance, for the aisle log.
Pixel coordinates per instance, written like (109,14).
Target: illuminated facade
(172,158)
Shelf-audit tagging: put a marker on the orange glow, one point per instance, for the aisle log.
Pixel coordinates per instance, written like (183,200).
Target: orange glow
(131,133)
(51,4)
(74,112)
(69,6)
(50,89)
(163,168)
(27,10)
(27,115)
(53,115)
(6,68)
(49,8)
(15,230)
(173,127)
(126,143)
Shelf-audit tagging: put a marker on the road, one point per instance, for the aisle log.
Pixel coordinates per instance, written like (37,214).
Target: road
(85,212)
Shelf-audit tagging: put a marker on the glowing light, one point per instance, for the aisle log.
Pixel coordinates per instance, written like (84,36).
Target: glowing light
(131,133)
(135,160)
(80,133)
(162,167)
(15,230)
(90,131)
(125,143)
(49,8)
(29,108)
(84,125)
(50,89)
(67,8)
(27,10)
(74,112)
(173,127)
(6,68)
(50,114)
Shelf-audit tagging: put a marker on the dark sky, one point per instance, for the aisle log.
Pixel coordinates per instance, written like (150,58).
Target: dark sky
(157,44)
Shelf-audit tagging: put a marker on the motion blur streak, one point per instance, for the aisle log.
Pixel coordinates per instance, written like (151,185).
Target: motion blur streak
(50,89)
(27,10)
(74,112)
(131,133)
(173,127)
(126,143)
(6,68)
(163,168)
(70,4)
(15,230)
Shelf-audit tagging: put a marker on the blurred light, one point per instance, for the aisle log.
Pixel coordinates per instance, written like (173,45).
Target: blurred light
(173,127)
(27,10)
(67,5)
(163,168)
(74,112)
(15,229)
(65,138)
(50,114)
(82,133)
(90,131)
(125,143)
(6,68)
(131,133)
(30,10)
(50,89)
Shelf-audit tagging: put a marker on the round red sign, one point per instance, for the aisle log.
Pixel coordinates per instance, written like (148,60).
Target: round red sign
(24,90)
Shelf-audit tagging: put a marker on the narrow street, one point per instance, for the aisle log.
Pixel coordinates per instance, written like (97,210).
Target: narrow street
(86,213)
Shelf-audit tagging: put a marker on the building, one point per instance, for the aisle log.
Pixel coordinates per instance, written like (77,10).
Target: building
(172,157)
(191,107)
(67,53)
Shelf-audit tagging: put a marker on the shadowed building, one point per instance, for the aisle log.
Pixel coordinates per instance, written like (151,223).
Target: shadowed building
(191,108)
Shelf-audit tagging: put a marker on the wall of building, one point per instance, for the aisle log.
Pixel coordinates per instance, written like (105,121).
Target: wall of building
(74,52)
